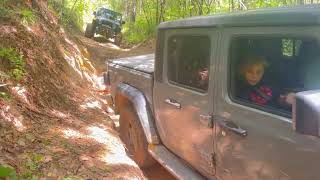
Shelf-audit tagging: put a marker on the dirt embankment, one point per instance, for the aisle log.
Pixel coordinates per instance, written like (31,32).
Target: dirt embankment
(54,123)
(102,50)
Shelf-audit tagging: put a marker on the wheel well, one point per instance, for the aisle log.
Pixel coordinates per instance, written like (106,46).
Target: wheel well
(122,101)
(127,95)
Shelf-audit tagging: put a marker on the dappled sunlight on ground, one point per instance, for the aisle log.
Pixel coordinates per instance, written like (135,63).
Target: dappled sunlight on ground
(69,133)
(115,154)
(78,62)
(15,120)
(8,29)
(54,124)
(29,29)
(21,92)
(115,118)
(59,114)
(72,62)
(72,44)
(91,104)
(35,29)
(99,83)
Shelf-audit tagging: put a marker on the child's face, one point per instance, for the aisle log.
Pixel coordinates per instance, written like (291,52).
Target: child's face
(253,74)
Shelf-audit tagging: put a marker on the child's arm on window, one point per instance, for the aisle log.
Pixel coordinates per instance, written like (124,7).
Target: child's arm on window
(287,99)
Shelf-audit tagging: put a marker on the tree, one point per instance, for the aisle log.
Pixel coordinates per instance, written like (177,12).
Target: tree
(145,15)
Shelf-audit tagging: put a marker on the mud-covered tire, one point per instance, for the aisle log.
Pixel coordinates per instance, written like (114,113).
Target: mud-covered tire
(133,137)
(118,39)
(89,33)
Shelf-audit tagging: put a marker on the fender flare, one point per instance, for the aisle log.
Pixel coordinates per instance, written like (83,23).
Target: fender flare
(141,107)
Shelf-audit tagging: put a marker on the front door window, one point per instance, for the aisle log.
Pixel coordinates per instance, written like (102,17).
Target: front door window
(260,69)
(266,72)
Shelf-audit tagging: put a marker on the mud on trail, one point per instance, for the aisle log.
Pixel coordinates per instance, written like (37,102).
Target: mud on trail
(54,124)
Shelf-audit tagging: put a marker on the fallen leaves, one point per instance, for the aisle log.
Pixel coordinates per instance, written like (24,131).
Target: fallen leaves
(30,138)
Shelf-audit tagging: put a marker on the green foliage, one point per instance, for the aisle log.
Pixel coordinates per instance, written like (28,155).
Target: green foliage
(5,95)
(16,62)
(7,172)
(69,178)
(27,175)
(5,11)
(27,16)
(13,8)
(32,166)
(144,15)
(4,3)
(70,12)
(138,31)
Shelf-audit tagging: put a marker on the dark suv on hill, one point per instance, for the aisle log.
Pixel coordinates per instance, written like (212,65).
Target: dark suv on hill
(107,23)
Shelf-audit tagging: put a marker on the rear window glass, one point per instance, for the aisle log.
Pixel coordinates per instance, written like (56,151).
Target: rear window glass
(188,61)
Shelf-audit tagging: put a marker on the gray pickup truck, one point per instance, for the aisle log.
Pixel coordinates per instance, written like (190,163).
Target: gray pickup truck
(229,96)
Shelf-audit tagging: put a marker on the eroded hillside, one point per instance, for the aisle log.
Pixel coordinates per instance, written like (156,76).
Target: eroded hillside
(53,122)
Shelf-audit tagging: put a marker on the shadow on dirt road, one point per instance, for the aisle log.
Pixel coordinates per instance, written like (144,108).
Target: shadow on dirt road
(102,49)
(157,172)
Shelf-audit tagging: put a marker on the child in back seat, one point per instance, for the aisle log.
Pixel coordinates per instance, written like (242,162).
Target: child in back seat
(253,89)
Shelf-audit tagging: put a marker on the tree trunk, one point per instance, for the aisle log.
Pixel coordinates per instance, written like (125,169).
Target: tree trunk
(74,4)
(208,4)
(133,11)
(157,12)
(231,5)
(162,12)
(143,6)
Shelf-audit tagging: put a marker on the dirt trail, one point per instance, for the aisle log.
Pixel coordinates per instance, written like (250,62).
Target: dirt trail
(53,124)
(102,50)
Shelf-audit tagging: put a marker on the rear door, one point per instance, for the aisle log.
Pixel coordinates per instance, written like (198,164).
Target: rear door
(264,145)
(183,96)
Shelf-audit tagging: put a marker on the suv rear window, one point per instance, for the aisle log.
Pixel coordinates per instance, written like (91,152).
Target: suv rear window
(267,71)
(188,61)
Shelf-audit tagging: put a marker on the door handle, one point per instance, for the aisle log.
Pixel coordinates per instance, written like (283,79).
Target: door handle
(231,126)
(173,102)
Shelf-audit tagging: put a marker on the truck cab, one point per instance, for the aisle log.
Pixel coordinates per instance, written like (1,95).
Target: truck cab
(188,112)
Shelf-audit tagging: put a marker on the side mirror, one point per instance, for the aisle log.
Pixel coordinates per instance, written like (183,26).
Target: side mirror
(123,22)
(306,113)
(94,13)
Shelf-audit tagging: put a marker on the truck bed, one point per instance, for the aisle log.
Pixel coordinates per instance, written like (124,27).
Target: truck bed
(144,63)
(136,71)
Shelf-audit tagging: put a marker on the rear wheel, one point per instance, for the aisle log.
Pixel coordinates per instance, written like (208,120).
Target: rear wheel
(132,135)
(89,33)
(118,39)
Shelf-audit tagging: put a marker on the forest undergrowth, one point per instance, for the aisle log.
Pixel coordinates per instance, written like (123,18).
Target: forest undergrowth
(53,122)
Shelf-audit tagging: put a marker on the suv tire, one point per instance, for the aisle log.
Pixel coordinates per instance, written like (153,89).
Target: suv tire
(133,137)
(118,39)
(89,33)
